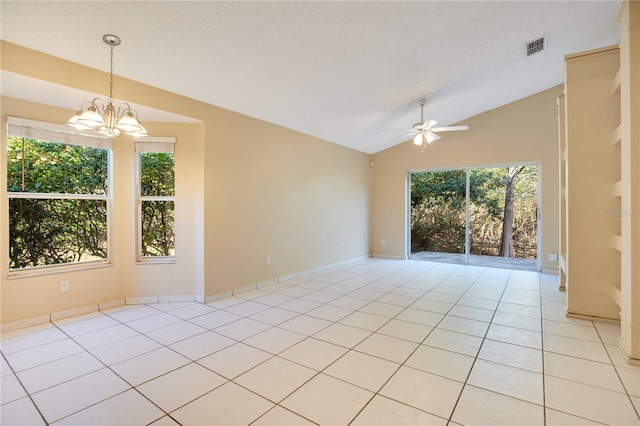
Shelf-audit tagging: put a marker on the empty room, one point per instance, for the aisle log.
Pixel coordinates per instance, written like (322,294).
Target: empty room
(309,212)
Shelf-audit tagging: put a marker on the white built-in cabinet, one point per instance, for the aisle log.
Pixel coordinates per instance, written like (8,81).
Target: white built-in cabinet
(590,168)
(599,150)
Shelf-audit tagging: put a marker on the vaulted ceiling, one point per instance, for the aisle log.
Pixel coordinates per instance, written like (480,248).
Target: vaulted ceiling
(341,71)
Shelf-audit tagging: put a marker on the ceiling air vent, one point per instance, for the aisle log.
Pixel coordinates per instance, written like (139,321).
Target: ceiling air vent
(536,46)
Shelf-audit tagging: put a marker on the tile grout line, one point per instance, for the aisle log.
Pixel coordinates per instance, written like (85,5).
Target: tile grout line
(349,349)
(187,320)
(13,372)
(409,356)
(542,351)
(617,373)
(317,373)
(332,322)
(464,385)
(131,387)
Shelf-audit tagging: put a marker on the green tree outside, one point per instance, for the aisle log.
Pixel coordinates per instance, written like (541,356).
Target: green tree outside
(157,179)
(54,229)
(438,211)
(51,227)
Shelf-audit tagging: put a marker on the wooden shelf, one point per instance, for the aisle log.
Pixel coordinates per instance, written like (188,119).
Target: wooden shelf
(617,242)
(617,189)
(617,136)
(616,82)
(616,296)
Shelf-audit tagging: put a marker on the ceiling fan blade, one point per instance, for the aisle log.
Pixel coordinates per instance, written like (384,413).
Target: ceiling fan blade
(428,124)
(449,129)
(432,137)
(410,134)
(405,137)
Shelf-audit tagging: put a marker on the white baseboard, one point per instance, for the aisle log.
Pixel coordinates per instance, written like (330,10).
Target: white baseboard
(55,316)
(24,323)
(632,360)
(303,273)
(286,277)
(111,304)
(388,256)
(144,300)
(244,289)
(267,283)
(141,300)
(218,296)
(177,298)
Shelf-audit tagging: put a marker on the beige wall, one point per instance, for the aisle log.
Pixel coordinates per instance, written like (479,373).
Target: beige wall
(246,189)
(274,192)
(25,297)
(249,189)
(525,131)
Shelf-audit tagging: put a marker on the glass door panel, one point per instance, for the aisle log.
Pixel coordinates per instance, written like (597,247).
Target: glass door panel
(503,212)
(438,215)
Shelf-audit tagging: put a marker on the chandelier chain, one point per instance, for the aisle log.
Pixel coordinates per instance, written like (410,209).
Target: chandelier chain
(111,76)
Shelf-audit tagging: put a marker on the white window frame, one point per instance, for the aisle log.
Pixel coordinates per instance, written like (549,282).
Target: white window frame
(150,145)
(33,129)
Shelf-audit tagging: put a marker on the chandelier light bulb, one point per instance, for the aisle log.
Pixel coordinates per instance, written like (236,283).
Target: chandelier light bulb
(128,122)
(91,117)
(73,122)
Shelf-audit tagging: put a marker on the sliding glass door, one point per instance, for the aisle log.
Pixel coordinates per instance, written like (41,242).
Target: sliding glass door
(465,216)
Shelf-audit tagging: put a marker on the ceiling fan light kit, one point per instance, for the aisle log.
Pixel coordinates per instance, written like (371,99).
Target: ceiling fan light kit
(424,132)
(421,139)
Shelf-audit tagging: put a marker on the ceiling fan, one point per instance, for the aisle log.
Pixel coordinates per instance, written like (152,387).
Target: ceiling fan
(423,131)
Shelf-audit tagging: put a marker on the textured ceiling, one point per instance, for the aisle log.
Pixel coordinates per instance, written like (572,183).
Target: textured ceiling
(341,71)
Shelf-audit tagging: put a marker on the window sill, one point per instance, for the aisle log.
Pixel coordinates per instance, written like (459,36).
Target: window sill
(156,260)
(57,269)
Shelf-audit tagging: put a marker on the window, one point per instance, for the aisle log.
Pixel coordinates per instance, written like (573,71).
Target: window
(58,196)
(156,199)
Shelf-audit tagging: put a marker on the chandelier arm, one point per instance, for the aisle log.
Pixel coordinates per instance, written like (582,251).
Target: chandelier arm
(124,107)
(100,107)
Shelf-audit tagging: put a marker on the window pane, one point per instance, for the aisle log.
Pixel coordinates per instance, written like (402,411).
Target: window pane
(48,232)
(157,176)
(51,167)
(158,237)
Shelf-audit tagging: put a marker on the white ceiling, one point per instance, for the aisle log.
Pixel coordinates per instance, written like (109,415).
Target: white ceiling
(341,71)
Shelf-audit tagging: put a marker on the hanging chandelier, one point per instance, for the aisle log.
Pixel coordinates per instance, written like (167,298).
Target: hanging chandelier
(103,117)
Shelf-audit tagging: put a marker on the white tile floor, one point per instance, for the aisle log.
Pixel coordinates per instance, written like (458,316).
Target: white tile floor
(372,342)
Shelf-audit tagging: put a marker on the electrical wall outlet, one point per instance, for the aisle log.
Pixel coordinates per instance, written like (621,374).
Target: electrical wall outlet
(268,260)
(342,246)
(553,257)
(384,242)
(64,286)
